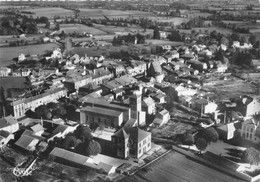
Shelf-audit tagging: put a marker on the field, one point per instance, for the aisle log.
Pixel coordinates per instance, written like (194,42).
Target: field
(50,12)
(253,27)
(70,28)
(10,38)
(99,13)
(163,42)
(176,167)
(123,30)
(8,53)
(201,14)
(209,29)
(175,20)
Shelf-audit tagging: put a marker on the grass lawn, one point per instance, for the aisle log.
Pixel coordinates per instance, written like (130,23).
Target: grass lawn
(50,12)
(8,53)
(163,42)
(70,28)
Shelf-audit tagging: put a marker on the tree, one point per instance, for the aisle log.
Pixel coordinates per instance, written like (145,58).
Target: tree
(93,148)
(188,140)
(70,142)
(156,33)
(209,134)
(251,156)
(83,133)
(224,41)
(201,144)
(252,39)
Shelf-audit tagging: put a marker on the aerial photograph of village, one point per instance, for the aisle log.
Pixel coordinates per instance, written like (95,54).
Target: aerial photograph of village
(129,90)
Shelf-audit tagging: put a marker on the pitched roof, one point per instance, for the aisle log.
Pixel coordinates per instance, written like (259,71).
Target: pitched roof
(131,122)
(121,134)
(106,167)
(7,121)
(4,133)
(60,129)
(36,128)
(26,142)
(70,156)
(103,111)
(148,101)
(136,134)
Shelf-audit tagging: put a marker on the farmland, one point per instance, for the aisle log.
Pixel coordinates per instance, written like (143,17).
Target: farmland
(70,28)
(175,20)
(176,167)
(8,53)
(10,38)
(50,12)
(123,30)
(101,13)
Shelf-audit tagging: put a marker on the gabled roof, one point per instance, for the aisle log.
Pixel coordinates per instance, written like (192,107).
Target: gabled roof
(136,134)
(60,129)
(121,134)
(27,142)
(7,121)
(106,167)
(36,128)
(148,101)
(131,122)
(70,156)
(246,99)
(163,112)
(4,133)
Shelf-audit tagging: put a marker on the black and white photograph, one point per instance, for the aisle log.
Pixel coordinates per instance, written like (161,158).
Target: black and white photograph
(129,90)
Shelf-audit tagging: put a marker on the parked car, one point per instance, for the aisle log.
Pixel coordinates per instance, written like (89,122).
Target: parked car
(120,169)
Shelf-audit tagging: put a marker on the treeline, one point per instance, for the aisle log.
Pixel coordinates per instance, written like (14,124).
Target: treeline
(128,39)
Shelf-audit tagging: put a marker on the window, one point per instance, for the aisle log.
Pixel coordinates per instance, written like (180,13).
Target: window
(251,130)
(140,151)
(148,145)
(99,120)
(247,135)
(144,142)
(250,136)
(140,144)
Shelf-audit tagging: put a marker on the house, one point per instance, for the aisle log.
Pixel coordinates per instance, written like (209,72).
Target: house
(136,67)
(148,105)
(100,75)
(76,81)
(203,106)
(37,129)
(163,35)
(5,137)
(21,58)
(159,98)
(21,105)
(248,106)
(101,116)
(250,130)
(22,72)
(46,39)
(161,117)
(131,142)
(106,168)
(227,131)
(72,157)
(4,71)
(255,63)
(27,142)
(9,124)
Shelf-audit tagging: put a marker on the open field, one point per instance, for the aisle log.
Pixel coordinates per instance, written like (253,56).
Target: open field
(8,53)
(175,20)
(70,28)
(209,29)
(99,13)
(201,14)
(163,42)
(171,129)
(123,30)
(233,87)
(50,12)
(176,167)
(253,27)
(10,38)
